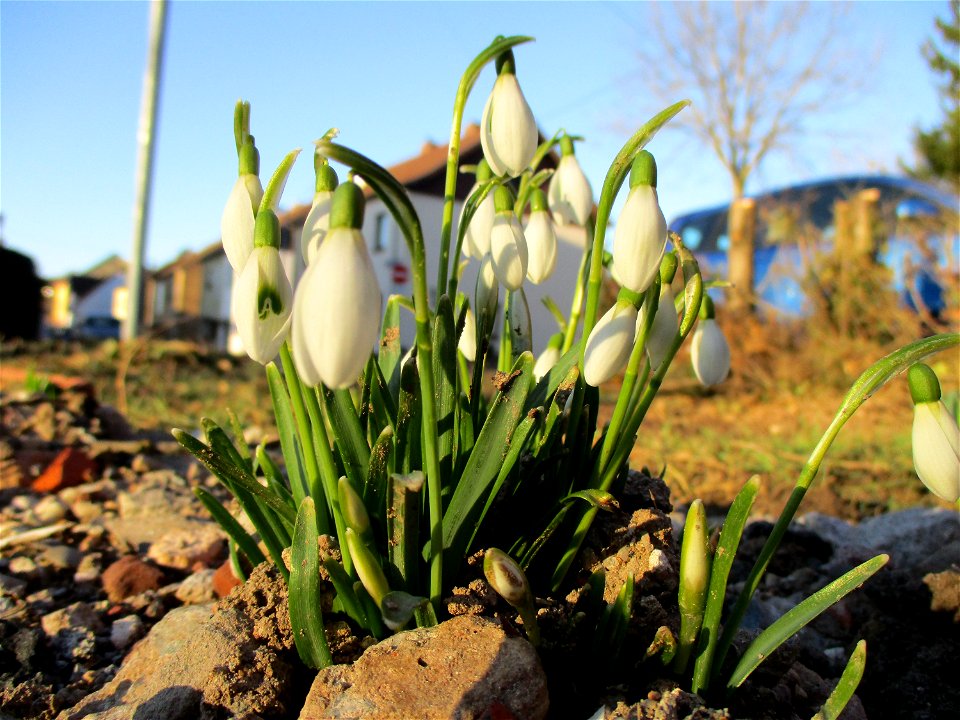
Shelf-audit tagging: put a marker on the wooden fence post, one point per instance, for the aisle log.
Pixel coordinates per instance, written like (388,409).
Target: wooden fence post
(741,228)
(866,236)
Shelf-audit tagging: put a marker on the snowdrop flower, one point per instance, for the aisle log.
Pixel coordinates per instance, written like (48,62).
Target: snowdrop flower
(936,437)
(665,323)
(317,224)
(476,238)
(508,132)
(239,214)
(610,342)
(709,351)
(549,357)
(262,295)
(640,238)
(336,319)
(508,246)
(570,195)
(541,240)
(467,344)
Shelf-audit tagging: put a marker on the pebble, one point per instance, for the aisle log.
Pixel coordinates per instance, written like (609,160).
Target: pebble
(89,569)
(197,588)
(126,631)
(79,616)
(59,557)
(50,509)
(181,549)
(24,566)
(130,576)
(10,585)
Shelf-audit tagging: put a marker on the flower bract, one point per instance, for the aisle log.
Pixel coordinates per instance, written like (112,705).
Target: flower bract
(261,304)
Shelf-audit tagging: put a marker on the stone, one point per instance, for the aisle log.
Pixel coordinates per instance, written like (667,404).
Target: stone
(79,616)
(197,588)
(59,557)
(466,667)
(224,580)
(945,589)
(13,586)
(89,569)
(130,576)
(125,631)
(71,467)
(181,549)
(50,509)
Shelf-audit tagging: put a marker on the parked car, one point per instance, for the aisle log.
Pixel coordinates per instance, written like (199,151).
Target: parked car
(794,220)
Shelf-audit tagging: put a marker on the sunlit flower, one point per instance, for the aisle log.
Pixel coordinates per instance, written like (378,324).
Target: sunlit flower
(261,304)
(936,436)
(709,351)
(610,342)
(541,240)
(487,293)
(508,246)
(237,221)
(570,195)
(549,357)
(476,238)
(665,327)
(317,224)
(508,131)
(640,238)
(467,344)
(337,304)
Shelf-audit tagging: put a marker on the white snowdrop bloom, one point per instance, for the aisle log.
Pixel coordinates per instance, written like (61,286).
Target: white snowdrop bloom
(541,241)
(548,358)
(336,319)
(316,226)
(936,437)
(238,219)
(508,246)
(640,238)
(569,193)
(665,327)
(508,131)
(467,344)
(261,304)
(476,238)
(487,298)
(709,353)
(609,345)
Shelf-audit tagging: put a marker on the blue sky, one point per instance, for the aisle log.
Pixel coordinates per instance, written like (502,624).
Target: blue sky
(385,73)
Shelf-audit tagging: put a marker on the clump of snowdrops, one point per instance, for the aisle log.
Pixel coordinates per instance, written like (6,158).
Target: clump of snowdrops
(399,455)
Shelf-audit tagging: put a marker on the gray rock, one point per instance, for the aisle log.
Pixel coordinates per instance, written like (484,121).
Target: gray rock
(76,617)
(12,586)
(465,667)
(197,588)
(182,548)
(59,557)
(126,631)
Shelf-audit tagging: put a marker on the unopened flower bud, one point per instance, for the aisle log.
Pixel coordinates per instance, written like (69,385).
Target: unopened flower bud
(541,240)
(709,351)
(508,246)
(508,131)
(610,343)
(570,195)
(935,435)
(640,237)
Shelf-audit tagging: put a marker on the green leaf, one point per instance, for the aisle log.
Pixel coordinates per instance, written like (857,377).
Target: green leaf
(230,526)
(378,475)
(346,593)
(559,374)
(287,430)
(389,354)
(489,454)
(408,417)
(305,615)
(847,686)
(404,497)
(445,382)
(350,439)
(784,628)
(274,477)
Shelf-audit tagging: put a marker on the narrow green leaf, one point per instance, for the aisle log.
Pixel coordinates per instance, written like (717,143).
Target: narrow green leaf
(390,352)
(274,477)
(551,381)
(221,444)
(306,618)
(237,429)
(847,686)
(408,418)
(350,439)
(403,529)
(784,628)
(445,382)
(230,526)
(346,593)
(287,429)
(378,475)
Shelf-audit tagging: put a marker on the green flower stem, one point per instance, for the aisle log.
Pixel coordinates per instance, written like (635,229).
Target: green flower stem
(467,82)
(505,354)
(868,383)
(398,203)
(576,305)
(611,186)
(403,522)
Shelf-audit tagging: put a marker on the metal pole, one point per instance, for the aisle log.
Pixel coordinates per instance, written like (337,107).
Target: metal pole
(145,147)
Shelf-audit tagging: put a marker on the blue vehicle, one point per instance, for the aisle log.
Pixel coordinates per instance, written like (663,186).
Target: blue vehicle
(794,221)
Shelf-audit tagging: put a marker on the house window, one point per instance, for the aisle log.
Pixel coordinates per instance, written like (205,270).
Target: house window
(381,236)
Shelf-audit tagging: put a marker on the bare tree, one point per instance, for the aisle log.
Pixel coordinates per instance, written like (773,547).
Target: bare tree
(754,71)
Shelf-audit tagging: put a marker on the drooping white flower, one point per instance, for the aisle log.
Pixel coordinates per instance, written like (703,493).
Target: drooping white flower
(467,344)
(508,131)
(508,246)
(640,238)
(610,342)
(476,238)
(316,226)
(487,295)
(569,193)
(237,221)
(709,351)
(548,358)
(541,240)
(936,436)
(665,327)
(261,304)
(336,319)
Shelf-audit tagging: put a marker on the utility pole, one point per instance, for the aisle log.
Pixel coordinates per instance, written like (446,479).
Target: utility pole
(145,147)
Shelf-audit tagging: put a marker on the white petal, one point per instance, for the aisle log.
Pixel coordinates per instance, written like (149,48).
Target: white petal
(236,226)
(337,311)
(468,337)
(316,225)
(541,247)
(545,362)
(609,345)
(936,449)
(508,131)
(508,248)
(639,240)
(665,327)
(476,239)
(488,289)
(569,194)
(262,303)
(709,353)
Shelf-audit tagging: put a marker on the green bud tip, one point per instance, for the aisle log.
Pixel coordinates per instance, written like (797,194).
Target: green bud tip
(538,201)
(668,267)
(506,577)
(249,157)
(503,199)
(351,505)
(644,170)
(346,210)
(484,172)
(707,311)
(629,296)
(923,382)
(566,145)
(506,65)
(266,230)
(327,179)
